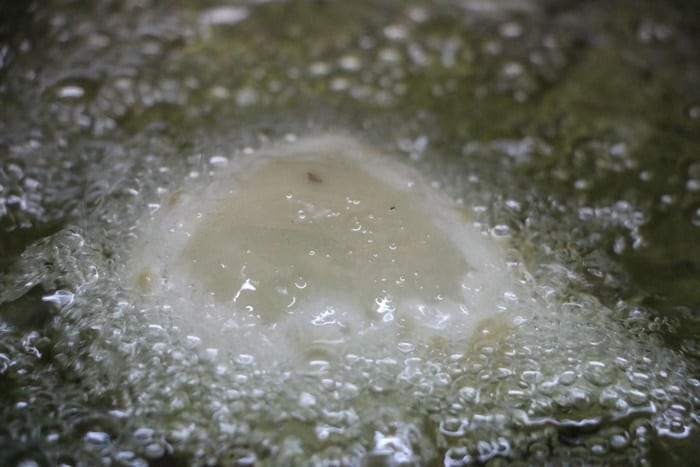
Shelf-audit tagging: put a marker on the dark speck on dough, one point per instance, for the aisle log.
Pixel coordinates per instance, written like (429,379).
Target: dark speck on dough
(313,178)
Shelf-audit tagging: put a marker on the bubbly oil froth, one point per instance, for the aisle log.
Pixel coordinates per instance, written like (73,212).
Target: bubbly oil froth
(319,248)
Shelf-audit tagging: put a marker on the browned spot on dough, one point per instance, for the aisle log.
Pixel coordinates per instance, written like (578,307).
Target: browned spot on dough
(145,280)
(176,198)
(313,178)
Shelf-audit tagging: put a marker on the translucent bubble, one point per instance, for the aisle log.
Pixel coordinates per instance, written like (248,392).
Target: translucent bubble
(154,451)
(339,84)
(457,457)
(453,427)
(218,161)
(598,373)
(246,97)
(567,378)
(96,438)
(350,63)
(597,446)
(510,30)
(695,218)
(306,399)
(319,68)
(143,435)
(27,463)
(70,92)
(538,450)
(636,397)
(222,16)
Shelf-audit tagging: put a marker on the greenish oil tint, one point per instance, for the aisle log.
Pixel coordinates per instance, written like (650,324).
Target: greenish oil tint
(571,127)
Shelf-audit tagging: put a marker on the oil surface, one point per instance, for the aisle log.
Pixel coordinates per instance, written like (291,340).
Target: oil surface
(565,131)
